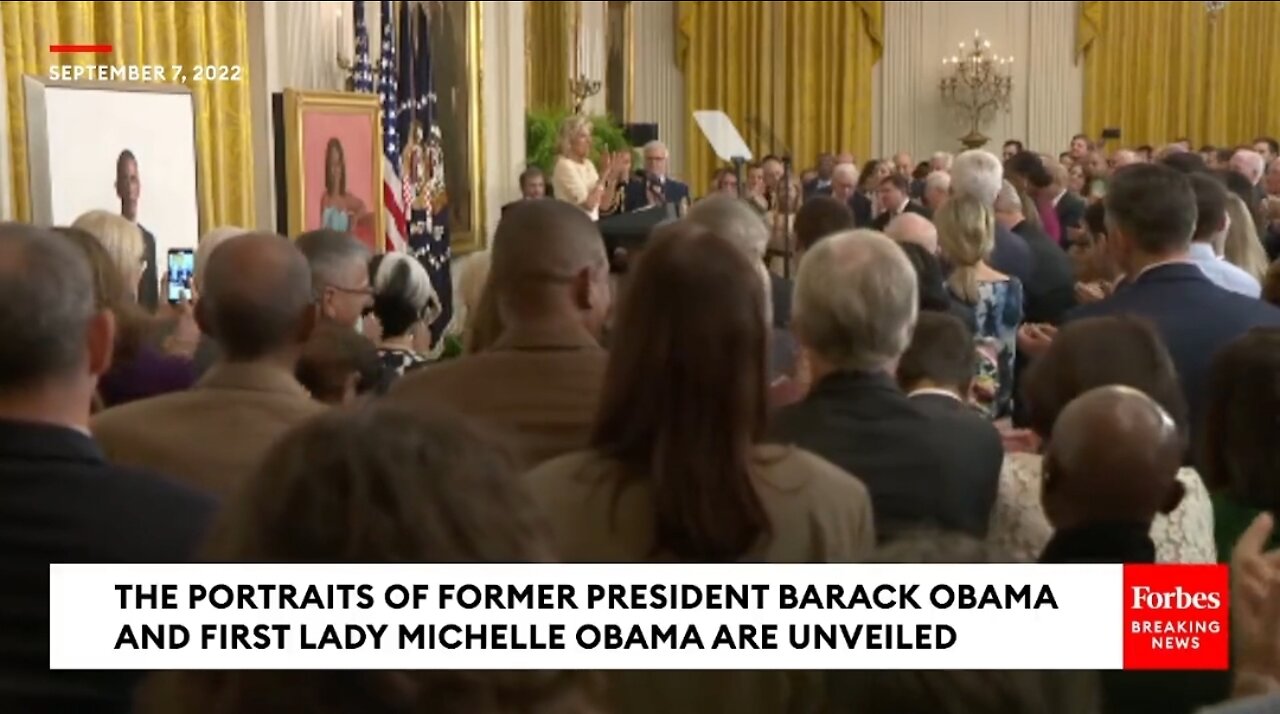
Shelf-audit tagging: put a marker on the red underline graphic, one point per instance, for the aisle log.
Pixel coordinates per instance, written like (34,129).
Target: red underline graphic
(79,48)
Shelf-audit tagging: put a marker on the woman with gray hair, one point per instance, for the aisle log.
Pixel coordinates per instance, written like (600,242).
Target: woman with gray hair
(404,301)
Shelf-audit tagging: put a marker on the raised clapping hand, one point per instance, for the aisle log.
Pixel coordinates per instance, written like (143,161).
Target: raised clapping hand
(1091,292)
(1035,339)
(1255,611)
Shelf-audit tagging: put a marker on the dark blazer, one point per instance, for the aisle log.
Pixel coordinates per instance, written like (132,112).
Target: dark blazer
(1070,210)
(1195,317)
(149,286)
(864,424)
(976,475)
(861,207)
(882,221)
(637,193)
(1011,255)
(917,189)
(61,502)
(1050,292)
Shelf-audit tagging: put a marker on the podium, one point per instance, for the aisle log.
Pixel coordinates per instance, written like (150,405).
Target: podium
(625,234)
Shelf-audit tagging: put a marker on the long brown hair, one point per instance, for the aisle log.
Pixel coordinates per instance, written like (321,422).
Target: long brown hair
(1239,451)
(684,398)
(377,485)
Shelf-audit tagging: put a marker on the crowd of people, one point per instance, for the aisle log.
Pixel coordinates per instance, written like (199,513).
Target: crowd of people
(1023,358)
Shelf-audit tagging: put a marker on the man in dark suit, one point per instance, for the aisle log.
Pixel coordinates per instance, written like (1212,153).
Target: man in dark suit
(855,305)
(1152,213)
(936,372)
(821,185)
(655,188)
(1051,291)
(128,189)
(895,196)
(60,501)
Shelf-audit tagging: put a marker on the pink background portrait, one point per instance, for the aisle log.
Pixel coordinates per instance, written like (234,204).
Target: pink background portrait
(356,133)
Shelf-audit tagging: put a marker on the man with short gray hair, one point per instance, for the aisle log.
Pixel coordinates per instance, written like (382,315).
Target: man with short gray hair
(61,501)
(937,189)
(735,220)
(979,175)
(259,306)
(1251,165)
(844,183)
(914,228)
(339,275)
(655,187)
(855,310)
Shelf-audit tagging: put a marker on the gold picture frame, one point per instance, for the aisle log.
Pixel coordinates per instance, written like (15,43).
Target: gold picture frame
(296,104)
(620,60)
(460,110)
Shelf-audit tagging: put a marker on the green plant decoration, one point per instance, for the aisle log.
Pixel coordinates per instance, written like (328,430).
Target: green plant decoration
(542,134)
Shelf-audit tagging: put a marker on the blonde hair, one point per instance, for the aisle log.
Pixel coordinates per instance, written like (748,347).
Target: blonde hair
(480,324)
(569,128)
(120,236)
(966,235)
(1243,248)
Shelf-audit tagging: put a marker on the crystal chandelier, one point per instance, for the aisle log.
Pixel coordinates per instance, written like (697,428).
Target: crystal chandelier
(977,87)
(1214,7)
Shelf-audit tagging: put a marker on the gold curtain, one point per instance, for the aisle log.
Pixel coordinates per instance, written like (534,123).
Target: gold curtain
(151,33)
(1160,71)
(548,47)
(802,69)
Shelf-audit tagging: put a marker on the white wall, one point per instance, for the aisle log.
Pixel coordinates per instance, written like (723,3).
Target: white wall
(1047,84)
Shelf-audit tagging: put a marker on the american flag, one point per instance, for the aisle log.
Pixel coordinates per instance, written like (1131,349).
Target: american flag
(428,226)
(362,72)
(393,199)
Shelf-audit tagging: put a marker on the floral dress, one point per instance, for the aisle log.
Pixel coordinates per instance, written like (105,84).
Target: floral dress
(995,320)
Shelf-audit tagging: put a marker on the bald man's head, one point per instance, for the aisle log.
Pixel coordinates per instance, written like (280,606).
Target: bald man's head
(914,228)
(1114,457)
(257,299)
(548,262)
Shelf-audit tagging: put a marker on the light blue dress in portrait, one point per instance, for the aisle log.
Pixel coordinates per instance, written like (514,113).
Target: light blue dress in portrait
(336,219)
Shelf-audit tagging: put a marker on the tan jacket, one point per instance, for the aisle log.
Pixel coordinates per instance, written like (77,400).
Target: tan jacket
(212,436)
(817,513)
(539,391)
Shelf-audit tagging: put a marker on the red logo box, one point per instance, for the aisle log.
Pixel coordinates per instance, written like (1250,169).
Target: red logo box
(1176,617)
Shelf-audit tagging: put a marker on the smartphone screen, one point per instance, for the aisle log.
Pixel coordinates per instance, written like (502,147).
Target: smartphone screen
(182,265)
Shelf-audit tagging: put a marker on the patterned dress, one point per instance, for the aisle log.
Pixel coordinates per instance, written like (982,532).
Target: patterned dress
(994,320)
(396,362)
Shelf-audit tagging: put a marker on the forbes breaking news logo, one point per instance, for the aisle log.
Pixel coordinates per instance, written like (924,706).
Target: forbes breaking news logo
(1176,617)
